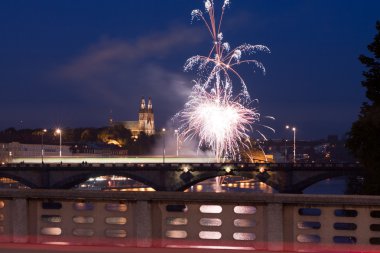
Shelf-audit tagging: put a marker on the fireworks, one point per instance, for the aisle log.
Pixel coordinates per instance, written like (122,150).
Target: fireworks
(213,114)
(219,121)
(221,59)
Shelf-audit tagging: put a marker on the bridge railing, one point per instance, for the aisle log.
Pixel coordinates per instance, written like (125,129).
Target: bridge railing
(186,220)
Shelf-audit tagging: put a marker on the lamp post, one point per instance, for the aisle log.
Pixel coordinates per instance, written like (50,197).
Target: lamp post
(294,143)
(163,145)
(286,148)
(176,133)
(42,145)
(59,131)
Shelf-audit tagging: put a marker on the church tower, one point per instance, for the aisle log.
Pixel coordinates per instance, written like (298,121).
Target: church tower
(146,117)
(142,115)
(150,118)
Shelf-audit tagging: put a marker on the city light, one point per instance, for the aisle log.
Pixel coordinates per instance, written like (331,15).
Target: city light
(42,144)
(294,142)
(59,131)
(163,145)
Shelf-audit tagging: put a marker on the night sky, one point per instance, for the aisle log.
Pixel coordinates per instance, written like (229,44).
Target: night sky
(68,63)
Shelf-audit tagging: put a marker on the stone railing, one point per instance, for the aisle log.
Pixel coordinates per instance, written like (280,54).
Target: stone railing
(191,220)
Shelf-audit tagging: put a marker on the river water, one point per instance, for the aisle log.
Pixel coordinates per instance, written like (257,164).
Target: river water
(230,184)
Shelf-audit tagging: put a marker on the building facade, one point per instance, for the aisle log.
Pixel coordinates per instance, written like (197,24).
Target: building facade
(13,150)
(145,121)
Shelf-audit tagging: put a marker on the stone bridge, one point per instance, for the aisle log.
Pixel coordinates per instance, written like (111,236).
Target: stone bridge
(283,177)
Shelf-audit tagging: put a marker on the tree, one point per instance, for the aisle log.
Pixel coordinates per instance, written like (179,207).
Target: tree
(364,137)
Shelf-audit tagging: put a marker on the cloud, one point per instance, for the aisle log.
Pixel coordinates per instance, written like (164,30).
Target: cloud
(114,71)
(104,56)
(171,86)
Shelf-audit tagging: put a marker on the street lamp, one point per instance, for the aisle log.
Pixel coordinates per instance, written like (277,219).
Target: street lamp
(294,143)
(176,133)
(59,131)
(42,145)
(163,145)
(286,148)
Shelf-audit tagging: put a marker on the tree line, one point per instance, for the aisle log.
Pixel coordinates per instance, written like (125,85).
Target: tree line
(113,136)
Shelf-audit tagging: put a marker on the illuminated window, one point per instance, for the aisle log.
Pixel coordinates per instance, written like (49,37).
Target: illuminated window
(210,222)
(210,209)
(244,236)
(245,209)
(116,220)
(176,221)
(83,219)
(118,233)
(210,235)
(244,223)
(51,231)
(116,207)
(51,218)
(176,234)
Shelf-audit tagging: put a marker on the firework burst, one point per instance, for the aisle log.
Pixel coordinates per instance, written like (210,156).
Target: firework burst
(213,114)
(220,121)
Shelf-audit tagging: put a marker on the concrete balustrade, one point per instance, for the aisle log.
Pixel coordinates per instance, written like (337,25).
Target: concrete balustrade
(266,222)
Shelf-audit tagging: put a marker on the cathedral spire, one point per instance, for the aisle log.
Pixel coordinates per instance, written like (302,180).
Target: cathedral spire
(150,106)
(142,105)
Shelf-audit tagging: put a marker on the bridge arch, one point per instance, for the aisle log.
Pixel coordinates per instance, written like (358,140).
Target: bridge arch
(301,186)
(19,179)
(264,177)
(70,182)
(198,178)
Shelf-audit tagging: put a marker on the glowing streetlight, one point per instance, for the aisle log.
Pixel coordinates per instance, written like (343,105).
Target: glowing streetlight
(286,148)
(294,143)
(163,145)
(42,145)
(59,131)
(176,134)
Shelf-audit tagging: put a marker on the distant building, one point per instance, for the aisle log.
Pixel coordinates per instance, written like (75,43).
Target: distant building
(13,150)
(97,149)
(145,122)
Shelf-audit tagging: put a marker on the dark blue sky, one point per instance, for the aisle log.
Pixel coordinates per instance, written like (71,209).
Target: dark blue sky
(69,62)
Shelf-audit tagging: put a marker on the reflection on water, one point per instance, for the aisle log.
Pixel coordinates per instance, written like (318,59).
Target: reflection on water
(7,183)
(227,184)
(113,183)
(231,184)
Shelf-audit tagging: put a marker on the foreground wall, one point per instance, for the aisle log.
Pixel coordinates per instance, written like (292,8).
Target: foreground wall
(217,220)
